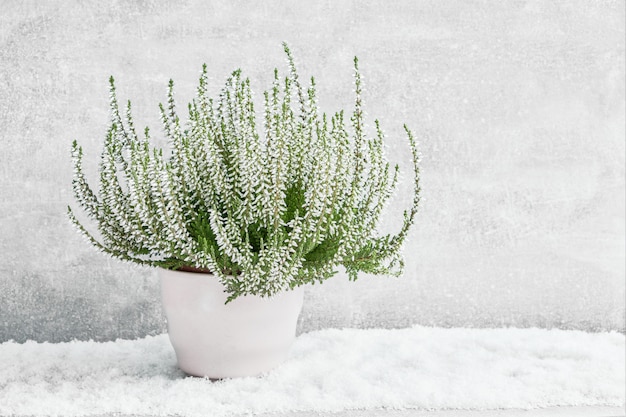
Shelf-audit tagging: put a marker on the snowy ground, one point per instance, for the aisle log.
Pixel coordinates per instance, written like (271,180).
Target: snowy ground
(583,411)
(416,369)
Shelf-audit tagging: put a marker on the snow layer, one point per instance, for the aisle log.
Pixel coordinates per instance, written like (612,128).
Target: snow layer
(329,370)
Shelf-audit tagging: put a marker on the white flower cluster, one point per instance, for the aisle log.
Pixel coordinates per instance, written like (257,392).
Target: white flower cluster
(262,212)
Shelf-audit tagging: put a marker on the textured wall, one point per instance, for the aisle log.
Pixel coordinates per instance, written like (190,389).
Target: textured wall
(519,107)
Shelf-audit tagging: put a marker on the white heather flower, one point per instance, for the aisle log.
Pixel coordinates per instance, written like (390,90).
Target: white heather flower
(263,212)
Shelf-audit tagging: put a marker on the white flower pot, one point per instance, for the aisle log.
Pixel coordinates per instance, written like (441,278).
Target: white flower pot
(245,337)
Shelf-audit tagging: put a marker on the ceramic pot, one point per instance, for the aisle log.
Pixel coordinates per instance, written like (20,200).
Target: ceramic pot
(245,337)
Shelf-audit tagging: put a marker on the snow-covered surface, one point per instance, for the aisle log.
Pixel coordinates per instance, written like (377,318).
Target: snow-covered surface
(330,370)
(559,411)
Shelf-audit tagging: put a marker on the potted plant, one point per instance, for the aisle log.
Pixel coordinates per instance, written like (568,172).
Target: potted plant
(238,221)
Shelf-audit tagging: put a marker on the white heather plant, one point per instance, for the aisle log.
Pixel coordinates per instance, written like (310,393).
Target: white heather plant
(263,212)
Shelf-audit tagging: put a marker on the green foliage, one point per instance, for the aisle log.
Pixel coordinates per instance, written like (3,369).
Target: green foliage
(262,212)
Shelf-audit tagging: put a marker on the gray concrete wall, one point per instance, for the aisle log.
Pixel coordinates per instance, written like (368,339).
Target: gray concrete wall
(518,105)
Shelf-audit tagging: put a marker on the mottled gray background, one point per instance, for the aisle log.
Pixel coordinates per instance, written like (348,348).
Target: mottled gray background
(518,105)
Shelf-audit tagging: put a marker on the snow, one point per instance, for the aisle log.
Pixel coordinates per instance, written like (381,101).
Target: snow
(329,370)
